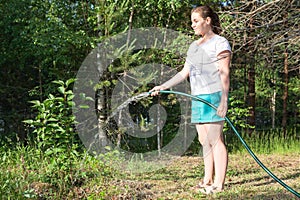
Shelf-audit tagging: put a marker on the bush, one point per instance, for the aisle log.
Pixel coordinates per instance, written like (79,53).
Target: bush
(54,126)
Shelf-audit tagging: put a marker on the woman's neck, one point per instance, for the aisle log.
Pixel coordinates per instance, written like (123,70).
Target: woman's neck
(206,37)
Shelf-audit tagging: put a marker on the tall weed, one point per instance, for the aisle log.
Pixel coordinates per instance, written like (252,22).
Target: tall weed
(266,142)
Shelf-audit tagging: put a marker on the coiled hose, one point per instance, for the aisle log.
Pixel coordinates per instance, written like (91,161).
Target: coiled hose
(240,138)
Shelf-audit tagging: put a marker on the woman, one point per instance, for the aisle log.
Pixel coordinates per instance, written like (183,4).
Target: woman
(207,66)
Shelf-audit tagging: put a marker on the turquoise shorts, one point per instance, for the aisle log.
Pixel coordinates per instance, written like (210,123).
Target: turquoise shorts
(202,113)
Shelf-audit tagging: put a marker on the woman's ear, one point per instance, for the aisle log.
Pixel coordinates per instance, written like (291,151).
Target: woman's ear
(208,20)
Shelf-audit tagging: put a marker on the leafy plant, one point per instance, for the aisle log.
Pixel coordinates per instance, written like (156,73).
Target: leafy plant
(238,114)
(54,124)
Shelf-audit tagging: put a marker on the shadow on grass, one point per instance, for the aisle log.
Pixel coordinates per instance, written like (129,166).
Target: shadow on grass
(291,176)
(271,196)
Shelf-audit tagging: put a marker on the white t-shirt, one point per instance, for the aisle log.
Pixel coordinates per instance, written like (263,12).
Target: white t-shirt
(203,63)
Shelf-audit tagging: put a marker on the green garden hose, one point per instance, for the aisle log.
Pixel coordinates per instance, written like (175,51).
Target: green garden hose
(240,138)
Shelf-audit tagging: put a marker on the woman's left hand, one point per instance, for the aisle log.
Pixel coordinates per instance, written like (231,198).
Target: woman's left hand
(222,109)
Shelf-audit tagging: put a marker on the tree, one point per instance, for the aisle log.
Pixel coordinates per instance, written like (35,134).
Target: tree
(42,42)
(269,25)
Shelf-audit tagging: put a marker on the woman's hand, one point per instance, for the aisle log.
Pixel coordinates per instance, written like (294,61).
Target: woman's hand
(222,109)
(155,91)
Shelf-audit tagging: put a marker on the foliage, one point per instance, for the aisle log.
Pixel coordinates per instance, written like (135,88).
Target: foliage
(42,41)
(263,35)
(238,114)
(25,175)
(53,126)
(295,93)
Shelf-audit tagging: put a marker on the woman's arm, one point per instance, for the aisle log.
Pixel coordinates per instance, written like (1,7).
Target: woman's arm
(224,62)
(179,77)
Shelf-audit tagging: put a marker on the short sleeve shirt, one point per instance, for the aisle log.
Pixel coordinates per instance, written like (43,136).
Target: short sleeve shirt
(203,63)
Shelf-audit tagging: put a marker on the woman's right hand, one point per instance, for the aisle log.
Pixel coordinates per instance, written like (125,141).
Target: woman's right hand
(155,91)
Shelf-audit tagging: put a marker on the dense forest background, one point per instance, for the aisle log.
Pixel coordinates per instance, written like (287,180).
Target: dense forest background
(45,41)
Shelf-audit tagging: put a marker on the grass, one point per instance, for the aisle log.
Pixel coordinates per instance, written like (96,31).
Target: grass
(245,180)
(26,173)
(265,142)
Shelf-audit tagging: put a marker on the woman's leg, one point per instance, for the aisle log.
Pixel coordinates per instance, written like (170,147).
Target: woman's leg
(202,130)
(220,156)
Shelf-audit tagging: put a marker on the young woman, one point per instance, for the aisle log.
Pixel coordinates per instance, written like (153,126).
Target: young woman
(207,66)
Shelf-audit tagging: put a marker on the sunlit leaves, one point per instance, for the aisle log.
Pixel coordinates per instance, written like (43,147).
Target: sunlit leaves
(54,123)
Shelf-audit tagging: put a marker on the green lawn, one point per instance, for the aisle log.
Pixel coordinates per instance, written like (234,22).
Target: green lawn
(245,179)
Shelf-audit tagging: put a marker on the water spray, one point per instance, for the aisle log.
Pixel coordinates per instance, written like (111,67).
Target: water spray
(237,134)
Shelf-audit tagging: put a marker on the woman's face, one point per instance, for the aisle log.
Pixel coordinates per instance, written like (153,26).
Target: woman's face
(200,25)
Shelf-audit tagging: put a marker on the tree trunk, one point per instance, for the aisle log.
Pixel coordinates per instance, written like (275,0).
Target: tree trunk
(273,106)
(251,95)
(285,92)
(101,97)
(286,79)
(251,79)
(159,133)
(40,83)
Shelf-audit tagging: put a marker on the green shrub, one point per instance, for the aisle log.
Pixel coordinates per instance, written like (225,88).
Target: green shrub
(54,126)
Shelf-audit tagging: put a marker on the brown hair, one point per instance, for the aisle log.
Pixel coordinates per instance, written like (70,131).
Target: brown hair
(206,11)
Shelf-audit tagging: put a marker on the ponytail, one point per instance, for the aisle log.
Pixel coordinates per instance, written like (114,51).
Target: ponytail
(216,26)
